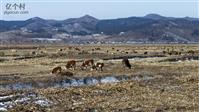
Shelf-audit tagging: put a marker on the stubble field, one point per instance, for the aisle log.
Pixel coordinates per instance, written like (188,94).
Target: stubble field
(162,78)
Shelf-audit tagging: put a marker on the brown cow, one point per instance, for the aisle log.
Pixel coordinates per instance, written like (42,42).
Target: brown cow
(56,70)
(126,63)
(69,47)
(191,52)
(99,66)
(77,49)
(97,48)
(71,64)
(87,63)
(174,53)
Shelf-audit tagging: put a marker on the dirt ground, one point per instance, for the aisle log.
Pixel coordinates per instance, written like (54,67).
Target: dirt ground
(174,88)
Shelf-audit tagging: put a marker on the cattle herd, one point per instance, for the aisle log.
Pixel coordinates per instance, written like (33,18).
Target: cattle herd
(86,64)
(98,66)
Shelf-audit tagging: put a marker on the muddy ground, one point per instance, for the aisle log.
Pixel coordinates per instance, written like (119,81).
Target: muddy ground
(173,86)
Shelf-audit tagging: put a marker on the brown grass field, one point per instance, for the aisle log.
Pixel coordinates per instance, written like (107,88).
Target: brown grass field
(174,86)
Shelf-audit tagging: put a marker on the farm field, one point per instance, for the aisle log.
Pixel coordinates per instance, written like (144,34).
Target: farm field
(163,77)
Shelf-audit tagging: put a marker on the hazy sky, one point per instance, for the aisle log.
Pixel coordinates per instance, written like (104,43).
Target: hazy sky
(102,9)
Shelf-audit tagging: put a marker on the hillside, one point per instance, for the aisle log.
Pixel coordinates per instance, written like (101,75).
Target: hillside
(152,28)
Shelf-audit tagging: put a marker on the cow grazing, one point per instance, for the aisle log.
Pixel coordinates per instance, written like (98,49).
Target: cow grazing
(57,70)
(174,53)
(191,52)
(77,49)
(98,66)
(164,52)
(135,51)
(87,63)
(126,63)
(71,64)
(97,48)
(107,51)
(70,48)
(146,52)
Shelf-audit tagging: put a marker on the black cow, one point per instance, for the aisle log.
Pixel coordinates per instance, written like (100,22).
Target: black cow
(126,63)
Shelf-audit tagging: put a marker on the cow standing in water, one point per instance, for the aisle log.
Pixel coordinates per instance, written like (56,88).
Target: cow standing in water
(126,63)
(87,63)
(71,64)
(57,70)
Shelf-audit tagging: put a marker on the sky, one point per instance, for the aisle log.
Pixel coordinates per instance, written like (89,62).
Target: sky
(101,9)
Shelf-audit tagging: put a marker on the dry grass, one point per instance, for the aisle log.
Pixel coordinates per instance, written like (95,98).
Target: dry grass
(175,87)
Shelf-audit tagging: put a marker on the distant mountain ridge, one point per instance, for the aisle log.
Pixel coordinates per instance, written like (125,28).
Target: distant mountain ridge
(155,17)
(152,28)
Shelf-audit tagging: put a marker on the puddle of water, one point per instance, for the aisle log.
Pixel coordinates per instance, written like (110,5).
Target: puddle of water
(9,101)
(140,78)
(17,86)
(91,81)
(64,83)
(109,80)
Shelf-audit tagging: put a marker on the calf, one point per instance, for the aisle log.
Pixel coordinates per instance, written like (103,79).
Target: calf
(87,63)
(56,70)
(99,66)
(126,63)
(71,64)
